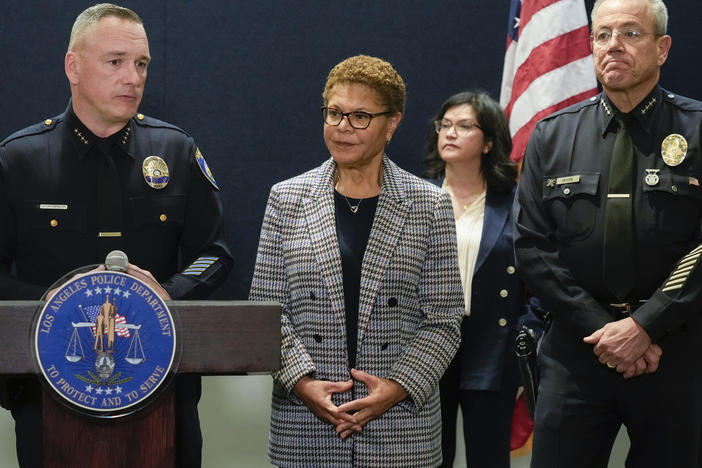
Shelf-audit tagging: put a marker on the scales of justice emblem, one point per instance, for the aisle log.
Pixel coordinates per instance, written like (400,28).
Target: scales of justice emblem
(105,343)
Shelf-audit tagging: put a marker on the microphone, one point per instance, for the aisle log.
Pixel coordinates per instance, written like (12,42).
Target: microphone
(116,261)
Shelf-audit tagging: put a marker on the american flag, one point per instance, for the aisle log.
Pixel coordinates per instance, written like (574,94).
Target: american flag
(92,313)
(548,64)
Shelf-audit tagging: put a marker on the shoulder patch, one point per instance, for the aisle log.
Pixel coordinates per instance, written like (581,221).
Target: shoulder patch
(202,164)
(36,129)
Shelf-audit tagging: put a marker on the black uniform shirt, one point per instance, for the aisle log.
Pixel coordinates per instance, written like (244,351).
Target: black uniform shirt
(560,212)
(49,210)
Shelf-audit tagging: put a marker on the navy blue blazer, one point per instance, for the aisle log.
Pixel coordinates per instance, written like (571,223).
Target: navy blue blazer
(499,304)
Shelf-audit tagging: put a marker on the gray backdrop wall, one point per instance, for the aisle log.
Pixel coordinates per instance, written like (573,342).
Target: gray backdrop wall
(245,78)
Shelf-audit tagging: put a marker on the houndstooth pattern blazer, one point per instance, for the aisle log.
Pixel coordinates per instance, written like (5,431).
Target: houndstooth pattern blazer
(410,310)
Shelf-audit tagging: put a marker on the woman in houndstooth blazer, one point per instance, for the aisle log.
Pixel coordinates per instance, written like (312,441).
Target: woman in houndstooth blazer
(362,256)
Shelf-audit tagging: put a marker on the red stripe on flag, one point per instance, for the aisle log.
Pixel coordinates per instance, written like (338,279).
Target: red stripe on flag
(553,58)
(521,138)
(550,55)
(121,331)
(529,9)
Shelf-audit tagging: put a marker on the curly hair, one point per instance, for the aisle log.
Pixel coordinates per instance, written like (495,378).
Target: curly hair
(499,171)
(373,72)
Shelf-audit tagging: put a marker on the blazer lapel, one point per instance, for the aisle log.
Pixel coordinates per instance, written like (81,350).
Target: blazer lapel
(321,225)
(496,213)
(388,225)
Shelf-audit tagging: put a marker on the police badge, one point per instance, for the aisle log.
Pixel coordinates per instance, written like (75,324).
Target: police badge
(105,343)
(674,149)
(155,172)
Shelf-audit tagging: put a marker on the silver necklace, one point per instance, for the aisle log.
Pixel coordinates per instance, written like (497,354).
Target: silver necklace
(337,183)
(353,208)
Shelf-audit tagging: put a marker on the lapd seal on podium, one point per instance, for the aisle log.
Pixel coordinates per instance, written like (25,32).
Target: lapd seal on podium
(105,343)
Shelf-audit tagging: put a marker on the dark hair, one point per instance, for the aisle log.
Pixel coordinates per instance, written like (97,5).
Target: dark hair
(499,171)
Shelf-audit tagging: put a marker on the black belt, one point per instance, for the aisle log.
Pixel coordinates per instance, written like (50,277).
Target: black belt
(623,309)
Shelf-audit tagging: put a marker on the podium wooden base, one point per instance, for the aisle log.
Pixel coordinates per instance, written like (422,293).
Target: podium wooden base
(143,440)
(218,338)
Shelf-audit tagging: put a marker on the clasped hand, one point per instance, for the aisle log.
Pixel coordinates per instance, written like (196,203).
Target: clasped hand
(352,416)
(626,346)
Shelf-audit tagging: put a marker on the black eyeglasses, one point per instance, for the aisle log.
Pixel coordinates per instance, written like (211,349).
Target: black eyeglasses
(357,119)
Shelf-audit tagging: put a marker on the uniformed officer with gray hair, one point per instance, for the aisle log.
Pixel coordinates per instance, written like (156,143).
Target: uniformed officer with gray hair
(101,177)
(609,236)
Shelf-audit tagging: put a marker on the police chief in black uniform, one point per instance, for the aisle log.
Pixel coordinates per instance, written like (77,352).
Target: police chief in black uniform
(624,345)
(101,177)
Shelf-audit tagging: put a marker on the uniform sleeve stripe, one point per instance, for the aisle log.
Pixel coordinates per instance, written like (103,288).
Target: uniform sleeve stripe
(687,263)
(687,269)
(676,281)
(693,254)
(200,265)
(682,272)
(675,276)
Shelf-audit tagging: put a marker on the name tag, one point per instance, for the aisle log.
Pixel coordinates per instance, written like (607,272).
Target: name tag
(110,234)
(568,180)
(49,206)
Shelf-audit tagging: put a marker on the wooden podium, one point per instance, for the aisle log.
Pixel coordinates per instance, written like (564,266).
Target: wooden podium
(216,337)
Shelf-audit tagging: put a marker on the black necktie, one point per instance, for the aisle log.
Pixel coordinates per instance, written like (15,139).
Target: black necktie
(109,203)
(618,262)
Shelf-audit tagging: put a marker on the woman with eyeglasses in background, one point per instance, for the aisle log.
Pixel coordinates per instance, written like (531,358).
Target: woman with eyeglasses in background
(362,256)
(467,154)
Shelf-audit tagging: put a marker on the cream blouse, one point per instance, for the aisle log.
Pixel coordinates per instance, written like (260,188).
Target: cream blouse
(469,231)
